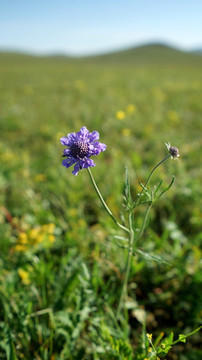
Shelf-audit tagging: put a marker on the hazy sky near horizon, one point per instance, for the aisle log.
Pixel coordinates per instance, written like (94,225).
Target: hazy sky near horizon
(80,27)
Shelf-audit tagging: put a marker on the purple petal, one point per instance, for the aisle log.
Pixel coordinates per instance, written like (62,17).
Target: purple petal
(89,163)
(98,147)
(94,136)
(71,137)
(76,169)
(68,140)
(66,152)
(64,141)
(81,135)
(68,162)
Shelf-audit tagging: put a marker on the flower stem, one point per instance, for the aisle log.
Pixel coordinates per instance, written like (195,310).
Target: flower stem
(128,265)
(147,182)
(131,239)
(144,222)
(104,203)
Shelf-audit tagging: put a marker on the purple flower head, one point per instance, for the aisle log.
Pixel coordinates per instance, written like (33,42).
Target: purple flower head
(174,152)
(80,147)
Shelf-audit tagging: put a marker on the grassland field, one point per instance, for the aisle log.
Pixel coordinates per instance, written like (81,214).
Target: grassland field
(60,270)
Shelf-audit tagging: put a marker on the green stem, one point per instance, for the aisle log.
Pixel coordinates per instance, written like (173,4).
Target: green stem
(144,222)
(147,182)
(128,265)
(187,335)
(104,203)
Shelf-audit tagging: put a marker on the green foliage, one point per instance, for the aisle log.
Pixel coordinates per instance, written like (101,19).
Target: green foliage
(60,275)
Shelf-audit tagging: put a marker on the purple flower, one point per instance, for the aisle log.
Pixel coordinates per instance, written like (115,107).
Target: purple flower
(80,147)
(174,152)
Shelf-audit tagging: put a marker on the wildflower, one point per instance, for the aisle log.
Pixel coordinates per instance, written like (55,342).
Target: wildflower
(34,233)
(80,147)
(173,116)
(23,238)
(51,238)
(120,115)
(40,177)
(20,248)
(174,152)
(24,275)
(149,337)
(49,228)
(126,132)
(131,108)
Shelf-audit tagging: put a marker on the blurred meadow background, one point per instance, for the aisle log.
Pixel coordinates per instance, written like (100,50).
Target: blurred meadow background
(60,271)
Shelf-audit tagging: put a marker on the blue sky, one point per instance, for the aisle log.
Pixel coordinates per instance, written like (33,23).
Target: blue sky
(79,27)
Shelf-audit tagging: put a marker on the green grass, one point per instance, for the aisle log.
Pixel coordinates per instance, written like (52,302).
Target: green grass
(60,287)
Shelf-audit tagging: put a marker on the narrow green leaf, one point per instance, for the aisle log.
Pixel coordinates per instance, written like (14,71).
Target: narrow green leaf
(142,186)
(120,245)
(158,187)
(158,339)
(169,186)
(162,351)
(10,349)
(126,191)
(153,257)
(143,202)
(122,238)
(127,183)
(86,271)
(169,339)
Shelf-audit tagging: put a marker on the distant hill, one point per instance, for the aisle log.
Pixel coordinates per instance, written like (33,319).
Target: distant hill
(148,54)
(15,57)
(197,51)
(151,54)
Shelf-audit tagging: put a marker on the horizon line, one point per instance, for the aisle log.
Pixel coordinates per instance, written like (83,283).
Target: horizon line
(70,54)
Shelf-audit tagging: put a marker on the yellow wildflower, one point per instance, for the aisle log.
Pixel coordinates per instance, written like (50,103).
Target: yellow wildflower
(24,275)
(173,117)
(39,238)
(35,236)
(40,177)
(149,337)
(23,238)
(126,132)
(51,238)
(51,227)
(120,115)
(20,247)
(33,233)
(131,108)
